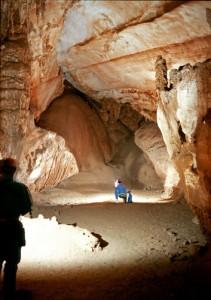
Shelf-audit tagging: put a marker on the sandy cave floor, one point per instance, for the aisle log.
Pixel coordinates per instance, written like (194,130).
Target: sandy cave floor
(103,250)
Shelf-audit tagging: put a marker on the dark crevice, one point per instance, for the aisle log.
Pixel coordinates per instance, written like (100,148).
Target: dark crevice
(181,134)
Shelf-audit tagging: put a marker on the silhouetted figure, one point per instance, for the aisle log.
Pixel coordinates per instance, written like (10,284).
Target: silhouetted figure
(120,191)
(15,200)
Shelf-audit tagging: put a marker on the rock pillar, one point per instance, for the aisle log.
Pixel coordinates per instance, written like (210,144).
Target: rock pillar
(184,118)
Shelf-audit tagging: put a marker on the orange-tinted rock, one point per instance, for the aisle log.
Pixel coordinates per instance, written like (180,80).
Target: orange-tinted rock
(82,129)
(148,137)
(44,160)
(15,95)
(184,119)
(109,57)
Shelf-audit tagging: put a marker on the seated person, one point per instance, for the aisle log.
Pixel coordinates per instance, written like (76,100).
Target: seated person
(120,191)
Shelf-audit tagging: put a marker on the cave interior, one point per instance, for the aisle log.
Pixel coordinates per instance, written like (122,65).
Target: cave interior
(92,91)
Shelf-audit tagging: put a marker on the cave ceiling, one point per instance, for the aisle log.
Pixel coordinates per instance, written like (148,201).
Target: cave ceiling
(107,49)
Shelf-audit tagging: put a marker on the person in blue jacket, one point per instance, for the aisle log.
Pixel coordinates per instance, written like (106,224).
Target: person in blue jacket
(120,191)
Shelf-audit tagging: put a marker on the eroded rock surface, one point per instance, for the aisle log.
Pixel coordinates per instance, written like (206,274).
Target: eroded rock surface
(148,137)
(30,80)
(15,95)
(184,119)
(82,129)
(44,160)
(122,50)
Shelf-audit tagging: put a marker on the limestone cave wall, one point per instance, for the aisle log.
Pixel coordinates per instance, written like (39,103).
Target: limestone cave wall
(183,116)
(30,80)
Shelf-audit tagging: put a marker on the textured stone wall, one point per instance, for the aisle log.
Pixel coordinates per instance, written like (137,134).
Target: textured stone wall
(44,160)
(15,77)
(110,53)
(30,79)
(84,132)
(184,119)
(15,95)
(148,137)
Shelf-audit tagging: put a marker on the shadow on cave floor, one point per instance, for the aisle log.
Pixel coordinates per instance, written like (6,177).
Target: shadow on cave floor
(120,283)
(154,251)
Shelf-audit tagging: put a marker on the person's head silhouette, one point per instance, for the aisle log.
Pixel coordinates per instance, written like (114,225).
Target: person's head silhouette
(8,167)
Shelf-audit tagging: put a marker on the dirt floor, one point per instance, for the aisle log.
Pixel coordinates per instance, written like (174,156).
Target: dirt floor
(146,251)
(104,250)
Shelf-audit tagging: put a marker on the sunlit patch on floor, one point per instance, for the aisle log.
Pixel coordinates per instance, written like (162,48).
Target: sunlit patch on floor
(49,242)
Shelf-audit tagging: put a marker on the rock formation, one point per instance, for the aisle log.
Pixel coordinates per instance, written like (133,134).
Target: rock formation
(131,62)
(30,80)
(84,133)
(148,137)
(183,116)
